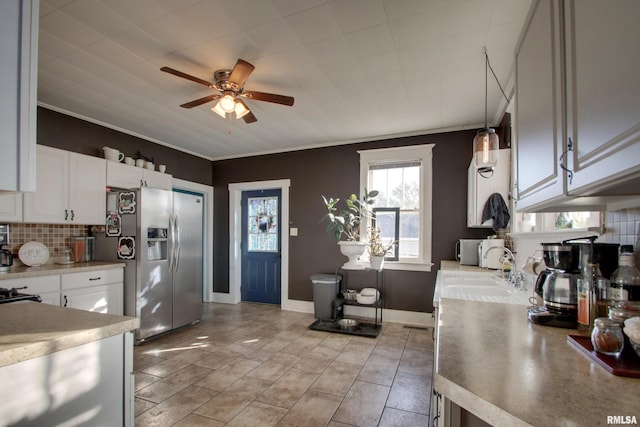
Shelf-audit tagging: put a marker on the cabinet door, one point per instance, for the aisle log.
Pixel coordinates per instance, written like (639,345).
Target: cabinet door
(19,52)
(47,287)
(539,108)
(120,175)
(48,204)
(99,299)
(603,92)
(157,180)
(11,207)
(87,183)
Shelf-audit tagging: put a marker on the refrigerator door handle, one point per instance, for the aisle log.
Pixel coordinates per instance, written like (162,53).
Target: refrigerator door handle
(177,242)
(172,241)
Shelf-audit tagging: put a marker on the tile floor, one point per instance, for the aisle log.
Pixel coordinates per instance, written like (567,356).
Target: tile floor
(256,365)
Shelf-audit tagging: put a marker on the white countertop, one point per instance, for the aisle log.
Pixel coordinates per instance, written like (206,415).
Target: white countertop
(19,271)
(493,362)
(30,329)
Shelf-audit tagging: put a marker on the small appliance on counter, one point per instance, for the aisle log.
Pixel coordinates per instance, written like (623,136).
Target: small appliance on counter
(467,251)
(6,257)
(557,286)
(488,258)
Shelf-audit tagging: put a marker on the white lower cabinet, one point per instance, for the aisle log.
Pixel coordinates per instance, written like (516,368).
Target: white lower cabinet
(47,287)
(99,291)
(89,384)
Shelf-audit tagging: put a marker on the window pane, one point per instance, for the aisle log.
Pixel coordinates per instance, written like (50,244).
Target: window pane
(409,245)
(262,224)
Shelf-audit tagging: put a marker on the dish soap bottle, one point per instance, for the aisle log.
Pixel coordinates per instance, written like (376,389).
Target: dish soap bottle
(625,281)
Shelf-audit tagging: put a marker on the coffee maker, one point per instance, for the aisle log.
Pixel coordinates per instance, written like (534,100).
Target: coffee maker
(557,286)
(6,257)
(567,263)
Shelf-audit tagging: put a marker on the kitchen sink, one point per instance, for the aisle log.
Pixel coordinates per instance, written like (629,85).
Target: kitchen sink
(484,286)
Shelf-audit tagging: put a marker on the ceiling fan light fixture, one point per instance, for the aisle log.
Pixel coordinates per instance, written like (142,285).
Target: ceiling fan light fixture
(228,102)
(218,110)
(241,110)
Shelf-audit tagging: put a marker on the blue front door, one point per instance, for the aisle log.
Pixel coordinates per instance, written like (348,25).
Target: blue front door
(261,258)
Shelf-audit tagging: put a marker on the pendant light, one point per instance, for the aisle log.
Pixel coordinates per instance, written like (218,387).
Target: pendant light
(486,143)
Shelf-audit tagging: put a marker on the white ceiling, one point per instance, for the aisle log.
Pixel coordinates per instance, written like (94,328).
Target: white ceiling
(358,69)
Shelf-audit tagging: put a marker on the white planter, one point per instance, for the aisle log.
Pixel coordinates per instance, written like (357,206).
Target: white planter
(353,250)
(377,262)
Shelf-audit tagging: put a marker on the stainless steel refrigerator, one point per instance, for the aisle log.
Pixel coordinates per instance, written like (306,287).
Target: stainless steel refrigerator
(158,234)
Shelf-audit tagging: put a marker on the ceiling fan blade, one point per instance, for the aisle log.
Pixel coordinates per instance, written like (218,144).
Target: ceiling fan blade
(200,101)
(269,97)
(187,76)
(249,118)
(241,72)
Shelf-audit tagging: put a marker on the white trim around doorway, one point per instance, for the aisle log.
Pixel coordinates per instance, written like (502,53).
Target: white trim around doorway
(235,253)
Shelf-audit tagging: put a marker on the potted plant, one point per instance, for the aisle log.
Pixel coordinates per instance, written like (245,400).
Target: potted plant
(378,250)
(344,219)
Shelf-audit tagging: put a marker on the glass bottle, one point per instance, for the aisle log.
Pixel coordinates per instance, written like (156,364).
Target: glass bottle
(607,337)
(588,297)
(625,281)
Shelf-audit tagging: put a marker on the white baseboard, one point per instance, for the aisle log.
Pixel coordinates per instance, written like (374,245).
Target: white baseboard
(411,318)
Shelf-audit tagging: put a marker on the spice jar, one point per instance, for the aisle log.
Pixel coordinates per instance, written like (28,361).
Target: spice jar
(607,337)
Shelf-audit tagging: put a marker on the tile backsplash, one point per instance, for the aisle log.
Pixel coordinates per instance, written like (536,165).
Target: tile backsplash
(622,227)
(55,236)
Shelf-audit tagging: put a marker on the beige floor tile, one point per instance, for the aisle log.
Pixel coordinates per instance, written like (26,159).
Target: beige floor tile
(363,404)
(379,370)
(356,352)
(416,362)
(218,380)
(218,359)
(286,391)
(175,408)
(337,424)
(193,420)
(396,330)
(411,393)
(302,345)
(161,390)
(314,362)
(248,388)
(142,361)
(313,409)
(141,405)
(337,378)
(337,341)
(142,380)
(258,415)
(177,360)
(270,370)
(222,407)
(396,418)
(421,339)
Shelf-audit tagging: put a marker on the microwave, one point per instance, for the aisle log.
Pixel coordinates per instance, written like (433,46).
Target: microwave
(467,251)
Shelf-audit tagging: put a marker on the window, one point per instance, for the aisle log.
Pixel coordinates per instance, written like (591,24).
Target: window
(403,176)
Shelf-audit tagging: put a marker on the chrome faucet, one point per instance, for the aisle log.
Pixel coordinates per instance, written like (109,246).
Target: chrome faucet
(516,278)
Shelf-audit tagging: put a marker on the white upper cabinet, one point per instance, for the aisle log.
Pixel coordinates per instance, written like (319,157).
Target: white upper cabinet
(70,189)
(539,123)
(577,109)
(120,175)
(19,20)
(603,93)
(10,207)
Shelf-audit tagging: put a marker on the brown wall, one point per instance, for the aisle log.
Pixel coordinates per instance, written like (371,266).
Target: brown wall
(334,171)
(72,134)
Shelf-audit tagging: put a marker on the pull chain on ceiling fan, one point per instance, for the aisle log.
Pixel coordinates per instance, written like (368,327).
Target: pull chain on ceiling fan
(230,85)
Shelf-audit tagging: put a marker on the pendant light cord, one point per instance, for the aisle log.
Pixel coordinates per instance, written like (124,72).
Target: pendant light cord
(488,64)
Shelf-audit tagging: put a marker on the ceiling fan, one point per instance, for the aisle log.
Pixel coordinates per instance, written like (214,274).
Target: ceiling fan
(230,84)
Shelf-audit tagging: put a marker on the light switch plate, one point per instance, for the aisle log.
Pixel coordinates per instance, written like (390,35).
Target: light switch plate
(293,231)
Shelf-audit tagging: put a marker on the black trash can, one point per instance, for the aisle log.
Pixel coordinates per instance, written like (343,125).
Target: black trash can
(325,290)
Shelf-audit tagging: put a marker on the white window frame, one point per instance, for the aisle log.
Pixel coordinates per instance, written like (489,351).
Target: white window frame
(423,153)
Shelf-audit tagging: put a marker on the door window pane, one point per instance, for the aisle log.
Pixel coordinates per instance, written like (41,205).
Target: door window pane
(262,224)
